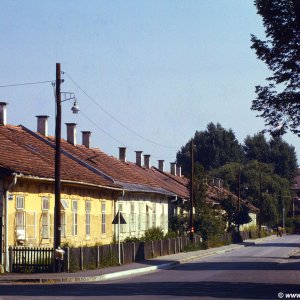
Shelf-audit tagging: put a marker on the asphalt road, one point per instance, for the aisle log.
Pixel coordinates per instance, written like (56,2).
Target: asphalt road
(262,271)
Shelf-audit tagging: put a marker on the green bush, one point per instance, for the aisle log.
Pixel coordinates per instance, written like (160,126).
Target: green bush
(154,234)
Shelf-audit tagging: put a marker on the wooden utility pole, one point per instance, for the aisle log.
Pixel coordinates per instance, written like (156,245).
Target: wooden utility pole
(57,221)
(239,197)
(192,192)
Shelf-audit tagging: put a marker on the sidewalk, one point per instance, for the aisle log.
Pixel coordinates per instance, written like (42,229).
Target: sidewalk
(163,262)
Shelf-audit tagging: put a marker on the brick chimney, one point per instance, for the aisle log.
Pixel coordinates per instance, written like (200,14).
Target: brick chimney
(86,138)
(3,120)
(42,125)
(122,154)
(173,168)
(178,171)
(147,161)
(138,159)
(161,165)
(71,133)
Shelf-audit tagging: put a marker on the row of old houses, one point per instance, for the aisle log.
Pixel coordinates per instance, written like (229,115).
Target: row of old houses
(94,187)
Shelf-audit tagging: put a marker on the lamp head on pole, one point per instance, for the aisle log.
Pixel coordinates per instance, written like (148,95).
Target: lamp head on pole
(75,107)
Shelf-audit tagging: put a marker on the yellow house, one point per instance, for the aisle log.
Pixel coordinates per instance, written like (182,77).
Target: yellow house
(27,195)
(86,214)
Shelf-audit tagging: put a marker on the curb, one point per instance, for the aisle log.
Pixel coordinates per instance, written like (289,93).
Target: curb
(120,274)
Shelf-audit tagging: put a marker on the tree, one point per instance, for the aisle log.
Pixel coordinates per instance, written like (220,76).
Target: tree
(214,147)
(257,148)
(275,151)
(284,158)
(259,186)
(278,102)
(233,216)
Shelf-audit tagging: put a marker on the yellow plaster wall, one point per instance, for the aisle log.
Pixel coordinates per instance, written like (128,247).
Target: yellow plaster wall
(34,191)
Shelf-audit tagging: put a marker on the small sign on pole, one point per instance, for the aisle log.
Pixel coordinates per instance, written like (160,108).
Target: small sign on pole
(119,219)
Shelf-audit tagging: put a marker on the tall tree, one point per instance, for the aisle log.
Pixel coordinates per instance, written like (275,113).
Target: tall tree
(278,103)
(257,148)
(275,151)
(284,159)
(214,147)
(259,185)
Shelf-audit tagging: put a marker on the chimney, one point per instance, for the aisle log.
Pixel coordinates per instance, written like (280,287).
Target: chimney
(71,133)
(42,125)
(138,159)
(161,165)
(173,168)
(147,161)
(3,113)
(178,171)
(122,154)
(86,138)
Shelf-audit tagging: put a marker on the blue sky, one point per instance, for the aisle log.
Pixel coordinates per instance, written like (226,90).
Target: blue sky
(162,69)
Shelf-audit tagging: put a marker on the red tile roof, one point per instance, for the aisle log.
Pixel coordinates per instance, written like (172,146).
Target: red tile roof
(23,153)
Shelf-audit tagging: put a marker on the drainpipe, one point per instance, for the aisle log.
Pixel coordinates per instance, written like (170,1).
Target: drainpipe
(11,185)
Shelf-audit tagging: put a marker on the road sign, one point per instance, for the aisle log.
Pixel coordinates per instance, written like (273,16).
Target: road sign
(115,220)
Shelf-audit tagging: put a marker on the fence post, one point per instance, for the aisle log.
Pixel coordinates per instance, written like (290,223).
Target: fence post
(67,259)
(81,258)
(161,247)
(133,256)
(123,254)
(152,249)
(98,257)
(175,245)
(169,246)
(10,250)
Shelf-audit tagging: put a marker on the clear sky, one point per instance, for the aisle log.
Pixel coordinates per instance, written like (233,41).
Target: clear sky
(148,73)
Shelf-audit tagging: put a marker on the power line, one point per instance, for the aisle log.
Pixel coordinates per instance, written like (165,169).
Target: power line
(27,83)
(116,120)
(109,135)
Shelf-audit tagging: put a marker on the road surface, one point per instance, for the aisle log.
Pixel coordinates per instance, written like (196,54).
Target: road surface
(261,271)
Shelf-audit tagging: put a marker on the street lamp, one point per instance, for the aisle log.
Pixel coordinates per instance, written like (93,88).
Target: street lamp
(75,109)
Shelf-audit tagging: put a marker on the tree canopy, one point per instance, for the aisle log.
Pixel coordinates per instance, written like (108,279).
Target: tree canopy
(276,152)
(278,102)
(214,147)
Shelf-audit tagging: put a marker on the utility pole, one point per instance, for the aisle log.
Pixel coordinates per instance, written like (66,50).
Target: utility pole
(239,197)
(192,192)
(57,221)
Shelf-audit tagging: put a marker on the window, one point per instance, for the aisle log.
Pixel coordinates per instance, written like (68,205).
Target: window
(63,223)
(163,218)
(103,218)
(88,217)
(132,217)
(20,221)
(75,217)
(20,218)
(154,215)
(45,225)
(140,220)
(45,203)
(20,202)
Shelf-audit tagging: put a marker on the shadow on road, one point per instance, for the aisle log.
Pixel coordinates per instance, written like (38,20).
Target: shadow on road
(180,289)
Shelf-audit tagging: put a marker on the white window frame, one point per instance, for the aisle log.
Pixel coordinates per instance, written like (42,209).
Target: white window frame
(45,219)
(103,218)
(45,203)
(75,218)
(132,217)
(20,200)
(63,223)
(154,215)
(20,225)
(88,218)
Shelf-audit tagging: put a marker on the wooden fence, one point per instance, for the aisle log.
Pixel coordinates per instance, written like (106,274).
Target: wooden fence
(84,258)
(31,260)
